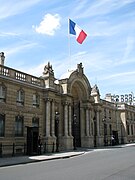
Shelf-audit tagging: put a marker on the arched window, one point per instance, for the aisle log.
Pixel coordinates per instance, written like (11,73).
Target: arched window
(20,97)
(2,93)
(2,125)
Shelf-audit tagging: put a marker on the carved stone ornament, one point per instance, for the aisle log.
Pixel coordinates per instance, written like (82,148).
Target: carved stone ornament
(48,69)
(95,89)
(80,68)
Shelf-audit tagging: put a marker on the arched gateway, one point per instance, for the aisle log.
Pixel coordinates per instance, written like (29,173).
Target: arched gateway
(78,89)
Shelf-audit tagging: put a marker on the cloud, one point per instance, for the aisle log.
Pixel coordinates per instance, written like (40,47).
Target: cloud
(119,75)
(14,7)
(129,46)
(98,8)
(18,48)
(4,34)
(49,24)
(36,70)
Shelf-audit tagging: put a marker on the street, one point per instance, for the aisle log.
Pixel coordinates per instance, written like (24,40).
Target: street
(100,164)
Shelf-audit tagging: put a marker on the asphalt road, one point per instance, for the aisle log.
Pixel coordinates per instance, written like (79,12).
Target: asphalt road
(104,164)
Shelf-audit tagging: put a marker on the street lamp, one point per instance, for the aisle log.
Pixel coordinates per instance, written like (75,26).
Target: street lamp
(74,130)
(57,130)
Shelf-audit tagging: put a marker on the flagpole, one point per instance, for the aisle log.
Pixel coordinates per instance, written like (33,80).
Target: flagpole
(69,44)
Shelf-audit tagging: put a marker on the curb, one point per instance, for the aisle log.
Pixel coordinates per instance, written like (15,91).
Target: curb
(33,160)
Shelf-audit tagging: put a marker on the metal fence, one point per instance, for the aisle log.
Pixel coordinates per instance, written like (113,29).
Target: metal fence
(12,149)
(21,149)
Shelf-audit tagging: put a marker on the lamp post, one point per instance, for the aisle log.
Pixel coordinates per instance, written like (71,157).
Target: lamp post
(57,130)
(74,130)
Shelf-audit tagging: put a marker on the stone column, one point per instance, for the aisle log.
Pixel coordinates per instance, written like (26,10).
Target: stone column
(70,121)
(99,137)
(82,123)
(47,124)
(90,129)
(66,119)
(67,139)
(97,117)
(130,133)
(53,120)
(100,122)
(87,122)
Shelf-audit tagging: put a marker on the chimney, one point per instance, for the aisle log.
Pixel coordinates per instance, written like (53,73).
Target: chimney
(2,58)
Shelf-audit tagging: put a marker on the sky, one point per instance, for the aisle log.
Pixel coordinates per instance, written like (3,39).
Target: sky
(35,32)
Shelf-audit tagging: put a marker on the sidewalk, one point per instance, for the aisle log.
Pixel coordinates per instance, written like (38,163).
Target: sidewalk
(9,161)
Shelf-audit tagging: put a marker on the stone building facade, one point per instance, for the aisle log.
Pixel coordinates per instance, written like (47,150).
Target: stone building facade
(65,113)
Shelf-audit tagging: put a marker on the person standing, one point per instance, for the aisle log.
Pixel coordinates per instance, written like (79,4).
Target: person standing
(39,144)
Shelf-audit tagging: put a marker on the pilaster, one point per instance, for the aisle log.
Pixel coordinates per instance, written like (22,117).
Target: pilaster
(66,119)
(47,115)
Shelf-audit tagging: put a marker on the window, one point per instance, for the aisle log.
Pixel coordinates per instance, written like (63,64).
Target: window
(92,131)
(132,131)
(2,93)
(128,130)
(110,127)
(20,97)
(109,114)
(36,100)
(2,125)
(104,113)
(105,129)
(35,122)
(19,121)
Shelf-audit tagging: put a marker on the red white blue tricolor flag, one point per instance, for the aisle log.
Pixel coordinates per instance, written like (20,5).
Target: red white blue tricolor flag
(77,31)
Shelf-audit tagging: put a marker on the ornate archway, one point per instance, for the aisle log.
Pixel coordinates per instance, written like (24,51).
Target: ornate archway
(76,109)
(79,95)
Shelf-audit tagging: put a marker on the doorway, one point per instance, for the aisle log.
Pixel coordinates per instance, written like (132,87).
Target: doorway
(32,140)
(76,124)
(116,138)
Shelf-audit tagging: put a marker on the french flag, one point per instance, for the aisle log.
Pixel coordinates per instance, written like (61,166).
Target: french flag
(77,31)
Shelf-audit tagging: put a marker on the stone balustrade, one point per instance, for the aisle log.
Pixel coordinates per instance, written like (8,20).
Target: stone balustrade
(20,76)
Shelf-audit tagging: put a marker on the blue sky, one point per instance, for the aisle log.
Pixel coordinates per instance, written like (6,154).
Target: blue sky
(33,32)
